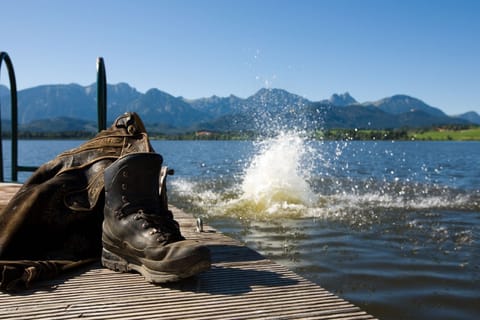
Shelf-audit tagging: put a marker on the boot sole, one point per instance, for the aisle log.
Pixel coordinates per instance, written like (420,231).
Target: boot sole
(114,262)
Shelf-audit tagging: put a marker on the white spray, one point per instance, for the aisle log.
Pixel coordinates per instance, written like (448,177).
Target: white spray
(277,176)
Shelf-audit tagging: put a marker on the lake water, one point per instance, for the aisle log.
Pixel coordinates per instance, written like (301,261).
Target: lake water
(393,227)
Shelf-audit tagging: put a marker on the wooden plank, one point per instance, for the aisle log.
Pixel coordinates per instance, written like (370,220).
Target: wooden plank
(242,284)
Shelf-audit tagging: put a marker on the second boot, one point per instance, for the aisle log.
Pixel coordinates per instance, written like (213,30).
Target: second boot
(138,232)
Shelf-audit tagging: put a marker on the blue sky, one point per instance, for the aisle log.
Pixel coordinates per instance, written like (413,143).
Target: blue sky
(198,48)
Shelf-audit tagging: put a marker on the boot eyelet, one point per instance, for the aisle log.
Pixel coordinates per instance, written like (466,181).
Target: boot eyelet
(124,199)
(118,214)
(124,186)
(125,174)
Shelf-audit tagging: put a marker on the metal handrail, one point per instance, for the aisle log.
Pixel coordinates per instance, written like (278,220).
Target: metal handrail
(101,94)
(13,102)
(101,112)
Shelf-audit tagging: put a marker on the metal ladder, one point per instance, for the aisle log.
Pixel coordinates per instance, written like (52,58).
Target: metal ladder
(101,112)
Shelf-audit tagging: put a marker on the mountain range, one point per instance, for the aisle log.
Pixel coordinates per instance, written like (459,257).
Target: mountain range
(73,107)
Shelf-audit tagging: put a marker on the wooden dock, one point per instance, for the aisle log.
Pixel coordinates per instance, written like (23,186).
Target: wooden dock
(241,284)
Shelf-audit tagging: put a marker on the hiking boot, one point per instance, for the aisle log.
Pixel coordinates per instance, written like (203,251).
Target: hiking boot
(138,232)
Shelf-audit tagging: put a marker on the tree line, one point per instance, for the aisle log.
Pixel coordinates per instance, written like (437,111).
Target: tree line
(327,134)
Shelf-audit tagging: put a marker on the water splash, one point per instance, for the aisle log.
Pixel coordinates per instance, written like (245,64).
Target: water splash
(276,180)
(290,175)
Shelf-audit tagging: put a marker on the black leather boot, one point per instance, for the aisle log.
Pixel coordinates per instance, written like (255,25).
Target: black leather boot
(138,232)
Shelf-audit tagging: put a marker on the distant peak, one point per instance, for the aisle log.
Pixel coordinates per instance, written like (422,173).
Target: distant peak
(263,91)
(401,99)
(343,99)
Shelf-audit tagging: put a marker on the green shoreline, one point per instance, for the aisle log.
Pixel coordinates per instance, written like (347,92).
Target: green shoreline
(431,134)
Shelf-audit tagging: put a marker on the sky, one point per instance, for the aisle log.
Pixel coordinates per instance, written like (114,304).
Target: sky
(198,48)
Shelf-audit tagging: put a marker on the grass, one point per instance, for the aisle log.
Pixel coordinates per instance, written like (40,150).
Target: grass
(472,134)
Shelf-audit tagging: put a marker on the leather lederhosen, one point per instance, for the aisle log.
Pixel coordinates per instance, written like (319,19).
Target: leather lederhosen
(54,221)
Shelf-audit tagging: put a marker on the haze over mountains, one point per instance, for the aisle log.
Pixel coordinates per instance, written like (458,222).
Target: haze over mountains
(73,107)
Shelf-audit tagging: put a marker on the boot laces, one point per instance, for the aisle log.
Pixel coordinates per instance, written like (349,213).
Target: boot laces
(162,225)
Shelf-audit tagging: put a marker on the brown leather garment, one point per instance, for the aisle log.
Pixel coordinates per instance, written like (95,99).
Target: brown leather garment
(54,222)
